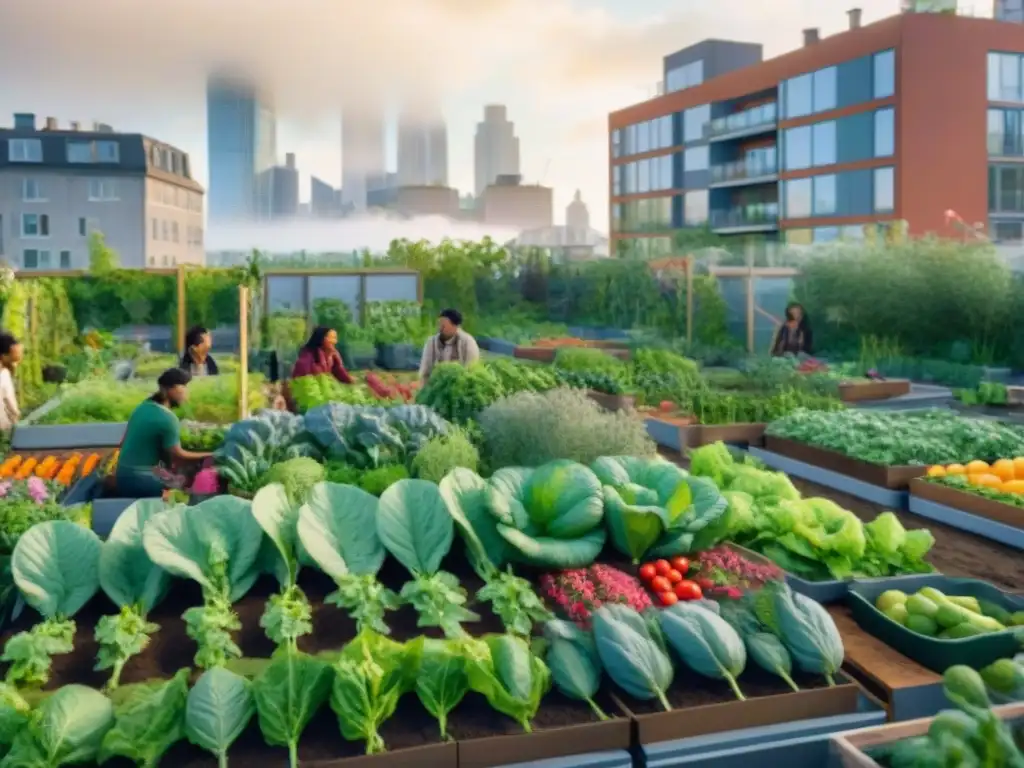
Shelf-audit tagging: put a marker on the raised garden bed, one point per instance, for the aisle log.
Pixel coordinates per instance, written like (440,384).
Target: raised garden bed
(965,501)
(545,352)
(612,402)
(868,389)
(893,478)
(849,749)
(742,434)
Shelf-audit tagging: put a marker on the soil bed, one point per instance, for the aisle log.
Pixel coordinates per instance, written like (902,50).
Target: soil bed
(475,719)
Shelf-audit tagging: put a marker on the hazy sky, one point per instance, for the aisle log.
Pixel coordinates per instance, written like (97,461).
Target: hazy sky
(559,65)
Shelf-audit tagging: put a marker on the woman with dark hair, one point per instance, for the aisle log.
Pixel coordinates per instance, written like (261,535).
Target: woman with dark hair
(320,355)
(450,344)
(794,336)
(197,359)
(152,438)
(10,358)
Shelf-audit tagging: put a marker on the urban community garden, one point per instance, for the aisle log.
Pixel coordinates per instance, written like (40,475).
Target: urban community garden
(626,535)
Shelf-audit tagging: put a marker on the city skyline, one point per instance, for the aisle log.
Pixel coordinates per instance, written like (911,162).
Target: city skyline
(560,66)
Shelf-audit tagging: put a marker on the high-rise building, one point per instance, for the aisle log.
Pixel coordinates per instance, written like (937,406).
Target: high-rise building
(577,217)
(422,149)
(510,203)
(846,136)
(496,148)
(241,144)
(363,166)
(279,190)
(1010,10)
(324,200)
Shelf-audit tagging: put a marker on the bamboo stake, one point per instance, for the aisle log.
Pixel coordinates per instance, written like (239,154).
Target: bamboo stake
(243,355)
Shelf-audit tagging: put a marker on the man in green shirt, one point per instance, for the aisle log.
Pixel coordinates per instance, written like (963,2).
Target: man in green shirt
(153,438)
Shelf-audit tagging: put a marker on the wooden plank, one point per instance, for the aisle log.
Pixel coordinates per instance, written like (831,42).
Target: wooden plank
(243,357)
(971,503)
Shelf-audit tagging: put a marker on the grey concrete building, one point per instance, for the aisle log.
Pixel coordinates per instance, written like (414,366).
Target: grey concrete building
(58,185)
(279,188)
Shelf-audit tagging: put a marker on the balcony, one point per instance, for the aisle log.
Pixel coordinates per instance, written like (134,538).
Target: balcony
(753,169)
(749,122)
(753,217)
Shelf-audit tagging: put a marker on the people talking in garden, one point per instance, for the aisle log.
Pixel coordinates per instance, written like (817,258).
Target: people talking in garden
(320,355)
(197,359)
(10,357)
(152,439)
(794,336)
(450,345)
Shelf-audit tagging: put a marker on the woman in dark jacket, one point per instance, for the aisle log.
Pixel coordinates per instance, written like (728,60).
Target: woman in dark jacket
(320,355)
(197,360)
(794,336)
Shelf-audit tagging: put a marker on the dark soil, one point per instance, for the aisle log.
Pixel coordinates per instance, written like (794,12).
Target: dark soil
(475,719)
(956,552)
(692,690)
(171,648)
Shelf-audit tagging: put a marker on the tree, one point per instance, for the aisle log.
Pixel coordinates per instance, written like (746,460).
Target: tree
(102,258)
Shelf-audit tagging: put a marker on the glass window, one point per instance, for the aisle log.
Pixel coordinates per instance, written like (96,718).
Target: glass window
(643,176)
(826,234)
(65,259)
(24,151)
(31,190)
(109,152)
(694,122)
(799,99)
(854,232)
(30,258)
(823,143)
(35,225)
(885,193)
(798,199)
(884,74)
(616,142)
(617,180)
(1009,77)
(696,159)
(996,134)
(79,151)
(1009,188)
(695,208)
(797,148)
(824,195)
(825,86)
(685,76)
(1007,231)
(102,189)
(885,133)
(994,89)
(643,135)
(799,236)
(665,131)
(666,172)
(1013,140)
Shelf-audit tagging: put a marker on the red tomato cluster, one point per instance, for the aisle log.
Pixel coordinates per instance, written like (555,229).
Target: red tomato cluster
(667,579)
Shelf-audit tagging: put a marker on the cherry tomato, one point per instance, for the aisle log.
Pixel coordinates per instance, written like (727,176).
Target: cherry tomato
(663,567)
(660,584)
(648,572)
(668,598)
(674,576)
(688,590)
(705,583)
(681,564)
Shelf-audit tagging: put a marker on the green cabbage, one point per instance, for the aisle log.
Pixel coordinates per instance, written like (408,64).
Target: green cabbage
(298,476)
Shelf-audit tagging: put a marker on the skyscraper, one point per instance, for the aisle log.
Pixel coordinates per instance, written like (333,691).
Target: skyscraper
(241,144)
(496,151)
(422,149)
(363,166)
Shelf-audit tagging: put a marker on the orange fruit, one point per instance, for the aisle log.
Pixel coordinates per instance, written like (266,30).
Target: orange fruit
(1004,469)
(977,467)
(1018,467)
(937,471)
(986,480)
(1014,486)
(956,469)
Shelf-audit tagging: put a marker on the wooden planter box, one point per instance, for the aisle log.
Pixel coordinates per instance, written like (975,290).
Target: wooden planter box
(705,434)
(612,402)
(893,478)
(842,699)
(848,749)
(859,391)
(668,431)
(439,755)
(969,502)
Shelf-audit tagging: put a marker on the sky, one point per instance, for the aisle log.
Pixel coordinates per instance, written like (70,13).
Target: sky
(560,66)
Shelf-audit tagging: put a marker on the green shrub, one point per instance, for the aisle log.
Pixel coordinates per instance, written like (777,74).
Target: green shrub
(530,429)
(444,453)
(378,480)
(586,360)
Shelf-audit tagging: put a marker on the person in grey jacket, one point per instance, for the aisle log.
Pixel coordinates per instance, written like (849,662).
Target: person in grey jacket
(450,345)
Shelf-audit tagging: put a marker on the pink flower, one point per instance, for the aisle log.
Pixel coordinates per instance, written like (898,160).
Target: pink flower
(5,488)
(37,490)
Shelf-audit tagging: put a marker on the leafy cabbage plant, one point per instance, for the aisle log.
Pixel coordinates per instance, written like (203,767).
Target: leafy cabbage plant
(67,728)
(218,709)
(415,527)
(441,678)
(55,565)
(148,721)
(337,528)
(134,583)
(503,669)
(216,544)
(367,437)
(253,446)
(287,694)
(654,508)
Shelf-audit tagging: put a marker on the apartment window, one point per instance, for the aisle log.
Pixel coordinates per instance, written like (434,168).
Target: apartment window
(174,231)
(1005,132)
(31,191)
(694,122)
(686,76)
(108,152)
(102,190)
(83,227)
(1006,188)
(885,192)
(186,173)
(616,187)
(696,159)
(152,261)
(167,260)
(825,89)
(199,235)
(35,225)
(643,137)
(797,148)
(156,229)
(665,175)
(165,231)
(616,142)
(824,190)
(1007,231)
(885,133)
(823,143)
(799,96)
(1005,77)
(884,65)
(65,259)
(798,199)
(30,258)
(79,152)
(643,176)
(25,150)
(695,208)
(665,132)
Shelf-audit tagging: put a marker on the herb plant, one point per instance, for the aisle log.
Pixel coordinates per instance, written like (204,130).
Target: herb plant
(218,709)
(504,670)
(441,679)
(287,694)
(148,722)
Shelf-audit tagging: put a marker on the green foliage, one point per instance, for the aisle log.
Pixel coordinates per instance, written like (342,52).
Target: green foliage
(444,453)
(459,393)
(376,481)
(102,258)
(397,322)
(596,361)
(297,475)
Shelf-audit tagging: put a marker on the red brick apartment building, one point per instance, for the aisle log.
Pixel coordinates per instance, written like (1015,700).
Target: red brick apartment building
(903,119)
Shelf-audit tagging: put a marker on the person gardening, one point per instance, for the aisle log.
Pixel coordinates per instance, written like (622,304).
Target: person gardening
(152,439)
(11,353)
(794,336)
(320,355)
(451,344)
(197,359)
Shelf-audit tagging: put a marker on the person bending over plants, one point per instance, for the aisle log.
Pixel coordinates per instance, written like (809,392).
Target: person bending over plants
(152,440)
(794,336)
(450,344)
(320,355)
